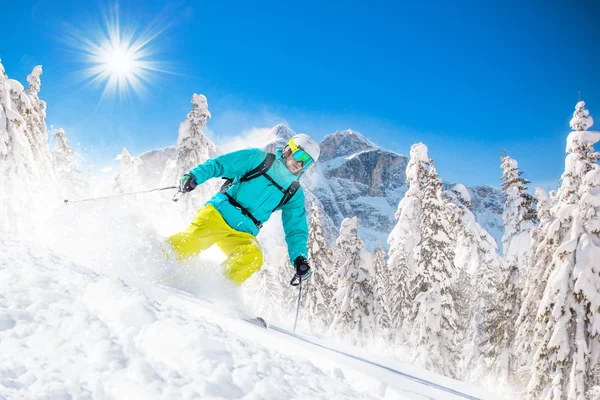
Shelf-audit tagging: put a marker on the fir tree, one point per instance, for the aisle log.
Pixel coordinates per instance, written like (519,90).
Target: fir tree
(478,265)
(433,316)
(383,287)
(34,113)
(568,329)
(319,291)
(193,148)
(402,241)
(534,283)
(20,174)
(64,167)
(354,300)
(127,179)
(519,220)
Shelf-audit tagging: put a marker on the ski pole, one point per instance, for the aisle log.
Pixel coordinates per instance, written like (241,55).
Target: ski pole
(119,195)
(298,307)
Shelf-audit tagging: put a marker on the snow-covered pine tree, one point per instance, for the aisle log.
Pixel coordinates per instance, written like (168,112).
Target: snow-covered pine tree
(478,265)
(127,179)
(319,291)
(34,113)
(568,326)
(519,220)
(402,241)
(383,285)
(65,168)
(354,305)
(193,148)
(533,284)
(433,317)
(519,215)
(20,176)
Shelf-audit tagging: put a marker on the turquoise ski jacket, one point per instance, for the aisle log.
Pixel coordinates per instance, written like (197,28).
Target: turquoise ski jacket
(259,195)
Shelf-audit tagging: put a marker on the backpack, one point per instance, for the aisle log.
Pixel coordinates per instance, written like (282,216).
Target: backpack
(260,170)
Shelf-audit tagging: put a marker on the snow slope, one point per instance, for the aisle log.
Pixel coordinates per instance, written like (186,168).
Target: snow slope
(69,332)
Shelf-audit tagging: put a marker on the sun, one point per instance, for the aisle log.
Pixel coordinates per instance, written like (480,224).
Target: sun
(120,60)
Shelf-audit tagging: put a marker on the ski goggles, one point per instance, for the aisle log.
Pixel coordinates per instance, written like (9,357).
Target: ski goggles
(301,155)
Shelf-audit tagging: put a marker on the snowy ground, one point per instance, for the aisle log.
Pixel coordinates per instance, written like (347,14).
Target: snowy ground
(69,332)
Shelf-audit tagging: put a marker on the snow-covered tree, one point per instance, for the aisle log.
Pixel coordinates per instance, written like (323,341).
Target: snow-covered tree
(478,265)
(22,178)
(403,239)
(433,316)
(66,170)
(533,283)
(354,305)
(34,113)
(319,291)
(127,179)
(568,329)
(383,285)
(519,220)
(193,148)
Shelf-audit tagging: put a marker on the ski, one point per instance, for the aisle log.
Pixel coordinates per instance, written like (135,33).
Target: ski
(258,321)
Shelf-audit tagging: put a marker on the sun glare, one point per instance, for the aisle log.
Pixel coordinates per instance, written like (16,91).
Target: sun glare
(119,59)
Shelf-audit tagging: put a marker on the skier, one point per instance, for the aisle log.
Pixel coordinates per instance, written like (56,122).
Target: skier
(257,184)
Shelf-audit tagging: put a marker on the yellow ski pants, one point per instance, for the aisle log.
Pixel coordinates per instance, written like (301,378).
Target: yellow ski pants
(208,227)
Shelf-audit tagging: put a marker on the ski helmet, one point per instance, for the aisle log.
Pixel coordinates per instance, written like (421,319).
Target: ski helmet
(302,143)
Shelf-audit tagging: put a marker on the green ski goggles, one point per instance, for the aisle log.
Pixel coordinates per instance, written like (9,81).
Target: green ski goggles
(301,155)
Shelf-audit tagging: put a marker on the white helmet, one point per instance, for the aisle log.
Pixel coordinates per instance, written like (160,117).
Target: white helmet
(306,143)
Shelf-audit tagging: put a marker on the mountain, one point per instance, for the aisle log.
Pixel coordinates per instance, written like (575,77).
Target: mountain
(355,177)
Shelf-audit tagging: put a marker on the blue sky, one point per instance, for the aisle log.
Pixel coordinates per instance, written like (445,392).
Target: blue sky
(469,79)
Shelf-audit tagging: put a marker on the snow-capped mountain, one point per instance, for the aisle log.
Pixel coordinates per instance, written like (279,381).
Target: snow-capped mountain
(358,178)
(487,203)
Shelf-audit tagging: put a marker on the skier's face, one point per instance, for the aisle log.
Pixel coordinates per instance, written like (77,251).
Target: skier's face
(292,165)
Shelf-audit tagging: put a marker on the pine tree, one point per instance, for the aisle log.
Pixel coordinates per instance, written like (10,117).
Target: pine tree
(402,241)
(433,316)
(127,179)
(319,292)
(354,299)
(519,220)
(193,148)
(568,329)
(534,283)
(478,266)
(21,178)
(34,113)
(383,287)
(65,168)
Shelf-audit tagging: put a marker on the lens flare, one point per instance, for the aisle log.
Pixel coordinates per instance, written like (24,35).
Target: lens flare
(120,60)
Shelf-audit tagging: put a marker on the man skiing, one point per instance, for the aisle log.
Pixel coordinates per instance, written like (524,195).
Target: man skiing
(258,183)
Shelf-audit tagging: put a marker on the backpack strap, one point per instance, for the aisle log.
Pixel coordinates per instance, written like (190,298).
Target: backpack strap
(261,169)
(288,194)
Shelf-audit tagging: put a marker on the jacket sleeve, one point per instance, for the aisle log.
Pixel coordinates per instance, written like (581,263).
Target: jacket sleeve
(295,226)
(230,165)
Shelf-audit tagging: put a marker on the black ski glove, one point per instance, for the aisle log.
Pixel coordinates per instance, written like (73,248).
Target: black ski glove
(187,183)
(303,271)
